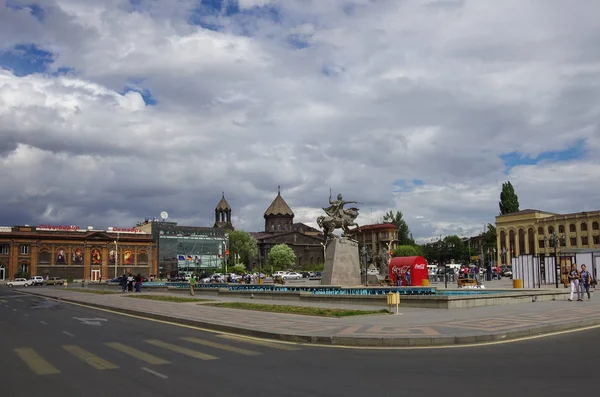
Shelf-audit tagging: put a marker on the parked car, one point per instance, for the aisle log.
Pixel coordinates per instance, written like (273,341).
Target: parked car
(55,281)
(506,272)
(37,280)
(19,282)
(291,276)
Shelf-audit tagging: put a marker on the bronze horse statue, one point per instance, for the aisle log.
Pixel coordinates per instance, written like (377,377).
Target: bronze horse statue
(330,223)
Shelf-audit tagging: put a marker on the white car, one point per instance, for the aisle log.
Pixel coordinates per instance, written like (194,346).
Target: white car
(36,280)
(291,276)
(19,282)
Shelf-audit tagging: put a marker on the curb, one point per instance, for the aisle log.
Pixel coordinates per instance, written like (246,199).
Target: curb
(349,341)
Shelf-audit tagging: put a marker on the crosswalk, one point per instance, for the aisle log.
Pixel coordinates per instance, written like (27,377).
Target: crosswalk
(149,353)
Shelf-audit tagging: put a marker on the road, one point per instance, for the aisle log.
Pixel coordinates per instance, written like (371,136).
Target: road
(50,348)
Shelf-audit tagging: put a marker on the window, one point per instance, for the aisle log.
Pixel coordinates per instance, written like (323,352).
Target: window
(4,249)
(595,226)
(540,230)
(596,240)
(584,227)
(561,228)
(23,249)
(550,229)
(142,258)
(44,257)
(541,243)
(573,241)
(584,240)
(572,228)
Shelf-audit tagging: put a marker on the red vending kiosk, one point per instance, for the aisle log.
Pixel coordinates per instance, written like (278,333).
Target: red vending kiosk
(402,264)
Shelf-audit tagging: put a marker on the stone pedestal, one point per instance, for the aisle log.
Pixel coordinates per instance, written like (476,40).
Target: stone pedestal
(341,263)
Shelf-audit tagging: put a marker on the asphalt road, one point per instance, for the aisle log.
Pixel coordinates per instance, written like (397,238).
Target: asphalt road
(50,348)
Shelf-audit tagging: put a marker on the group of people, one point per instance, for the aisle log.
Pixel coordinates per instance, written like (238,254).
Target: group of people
(580,281)
(130,282)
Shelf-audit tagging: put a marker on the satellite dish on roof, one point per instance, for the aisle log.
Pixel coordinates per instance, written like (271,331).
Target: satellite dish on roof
(164,215)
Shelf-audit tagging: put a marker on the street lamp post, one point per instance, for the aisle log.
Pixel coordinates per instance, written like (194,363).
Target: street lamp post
(116,254)
(555,240)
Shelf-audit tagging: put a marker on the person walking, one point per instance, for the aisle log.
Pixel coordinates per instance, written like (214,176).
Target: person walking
(573,277)
(192,284)
(585,280)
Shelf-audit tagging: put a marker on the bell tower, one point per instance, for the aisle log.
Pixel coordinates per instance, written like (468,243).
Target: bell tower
(223,214)
(279,217)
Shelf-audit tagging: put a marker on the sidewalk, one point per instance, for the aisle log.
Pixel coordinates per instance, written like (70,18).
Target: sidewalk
(412,327)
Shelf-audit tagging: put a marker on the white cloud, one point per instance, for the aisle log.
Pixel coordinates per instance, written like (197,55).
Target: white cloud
(380,92)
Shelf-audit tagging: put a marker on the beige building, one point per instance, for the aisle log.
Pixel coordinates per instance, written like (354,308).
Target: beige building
(379,237)
(529,231)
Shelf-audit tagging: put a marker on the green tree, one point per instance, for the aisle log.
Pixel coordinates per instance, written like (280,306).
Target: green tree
(490,237)
(404,235)
(239,268)
(243,244)
(281,256)
(406,250)
(509,201)
(453,248)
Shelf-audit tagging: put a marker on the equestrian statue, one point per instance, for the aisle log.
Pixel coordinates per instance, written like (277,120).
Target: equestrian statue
(338,217)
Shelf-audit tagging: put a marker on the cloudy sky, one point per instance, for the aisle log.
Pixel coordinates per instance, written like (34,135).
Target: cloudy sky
(114,110)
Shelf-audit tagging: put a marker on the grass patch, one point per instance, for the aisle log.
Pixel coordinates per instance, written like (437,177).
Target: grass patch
(309,311)
(93,291)
(167,298)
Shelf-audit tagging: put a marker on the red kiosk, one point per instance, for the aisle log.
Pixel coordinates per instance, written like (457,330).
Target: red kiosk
(417,266)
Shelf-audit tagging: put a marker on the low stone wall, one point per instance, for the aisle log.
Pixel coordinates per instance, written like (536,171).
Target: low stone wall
(489,298)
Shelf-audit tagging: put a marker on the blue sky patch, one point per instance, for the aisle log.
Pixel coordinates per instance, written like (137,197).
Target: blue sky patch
(34,9)
(146,95)
(515,159)
(209,14)
(402,185)
(25,59)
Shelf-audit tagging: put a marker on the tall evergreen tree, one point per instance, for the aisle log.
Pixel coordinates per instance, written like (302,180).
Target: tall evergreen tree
(404,235)
(509,201)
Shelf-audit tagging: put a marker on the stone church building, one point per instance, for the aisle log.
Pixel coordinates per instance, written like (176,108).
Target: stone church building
(306,242)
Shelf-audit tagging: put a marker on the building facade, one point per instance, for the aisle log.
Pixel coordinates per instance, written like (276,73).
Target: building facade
(69,251)
(306,242)
(183,249)
(529,232)
(379,238)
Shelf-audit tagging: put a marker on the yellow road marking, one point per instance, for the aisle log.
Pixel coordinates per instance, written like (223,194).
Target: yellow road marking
(259,342)
(3,301)
(35,362)
(221,346)
(89,358)
(135,353)
(181,350)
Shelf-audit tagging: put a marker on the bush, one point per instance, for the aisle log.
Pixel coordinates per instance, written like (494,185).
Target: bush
(70,279)
(21,274)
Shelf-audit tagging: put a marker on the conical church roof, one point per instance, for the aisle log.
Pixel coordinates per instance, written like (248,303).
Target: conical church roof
(223,204)
(279,206)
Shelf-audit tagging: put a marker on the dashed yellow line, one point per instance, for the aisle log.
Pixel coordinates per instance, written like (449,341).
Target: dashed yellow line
(89,358)
(35,362)
(221,346)
(135,353)
(180,350)
(260,342)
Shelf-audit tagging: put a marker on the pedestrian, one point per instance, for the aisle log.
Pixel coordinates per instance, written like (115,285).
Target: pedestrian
(573,277)
(123,282)
(130,283)
(138,283)
(192,284)
(585,281)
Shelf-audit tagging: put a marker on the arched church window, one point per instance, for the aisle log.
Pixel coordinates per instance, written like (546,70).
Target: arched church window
(278,226)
